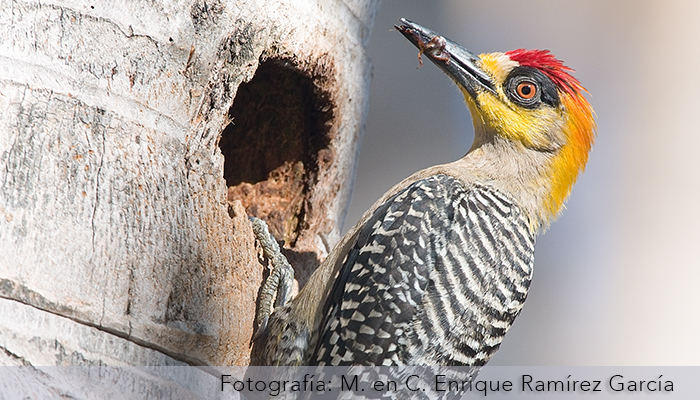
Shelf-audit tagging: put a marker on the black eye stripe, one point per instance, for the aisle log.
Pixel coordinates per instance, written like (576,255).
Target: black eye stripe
(546,90)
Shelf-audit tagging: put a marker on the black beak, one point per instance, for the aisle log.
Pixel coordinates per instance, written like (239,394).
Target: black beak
(456,61)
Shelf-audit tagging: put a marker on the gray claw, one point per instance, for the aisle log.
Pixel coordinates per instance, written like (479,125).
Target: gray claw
(278,285)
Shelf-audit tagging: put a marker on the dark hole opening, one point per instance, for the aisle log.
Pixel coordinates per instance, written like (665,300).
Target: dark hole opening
(271,149)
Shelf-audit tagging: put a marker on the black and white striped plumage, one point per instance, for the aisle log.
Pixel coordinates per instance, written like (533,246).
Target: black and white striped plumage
(437,270)
(435,277)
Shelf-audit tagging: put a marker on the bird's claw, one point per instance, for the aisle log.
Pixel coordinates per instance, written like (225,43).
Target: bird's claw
(278,285)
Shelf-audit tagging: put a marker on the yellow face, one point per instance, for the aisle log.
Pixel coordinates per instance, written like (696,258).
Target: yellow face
(527,107)
(535,127)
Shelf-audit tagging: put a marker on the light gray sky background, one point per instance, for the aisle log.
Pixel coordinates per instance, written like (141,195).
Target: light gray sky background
(617,277)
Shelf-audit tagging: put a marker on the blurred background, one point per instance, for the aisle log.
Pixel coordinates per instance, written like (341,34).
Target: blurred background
(617,277)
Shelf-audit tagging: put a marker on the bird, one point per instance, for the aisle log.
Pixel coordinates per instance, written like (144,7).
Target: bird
(437,270)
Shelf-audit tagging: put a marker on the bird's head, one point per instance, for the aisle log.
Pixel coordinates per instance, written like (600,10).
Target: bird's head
(525,97)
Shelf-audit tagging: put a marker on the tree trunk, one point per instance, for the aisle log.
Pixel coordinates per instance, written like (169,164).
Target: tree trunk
(135,137)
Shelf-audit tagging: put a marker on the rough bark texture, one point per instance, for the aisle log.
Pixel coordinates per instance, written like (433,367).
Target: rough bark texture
(121,128)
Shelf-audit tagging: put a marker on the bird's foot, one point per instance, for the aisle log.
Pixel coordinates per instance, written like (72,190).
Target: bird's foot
(278,285)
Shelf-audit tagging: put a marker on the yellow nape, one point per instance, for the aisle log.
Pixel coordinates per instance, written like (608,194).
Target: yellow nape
(579,130)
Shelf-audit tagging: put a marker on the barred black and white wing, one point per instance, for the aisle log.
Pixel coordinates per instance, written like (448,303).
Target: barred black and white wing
(436,277)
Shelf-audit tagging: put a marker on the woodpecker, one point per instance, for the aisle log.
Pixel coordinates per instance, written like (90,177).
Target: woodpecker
(435,272)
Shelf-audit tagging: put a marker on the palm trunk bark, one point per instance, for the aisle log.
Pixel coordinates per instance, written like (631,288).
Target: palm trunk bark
(135,137)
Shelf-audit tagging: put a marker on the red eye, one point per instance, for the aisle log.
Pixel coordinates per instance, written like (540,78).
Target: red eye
(526,90)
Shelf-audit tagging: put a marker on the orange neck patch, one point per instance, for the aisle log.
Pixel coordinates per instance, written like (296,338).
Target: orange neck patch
(580,130)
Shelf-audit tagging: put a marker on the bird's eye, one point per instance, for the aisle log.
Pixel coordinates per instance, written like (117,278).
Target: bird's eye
(530,88)
(526,90)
